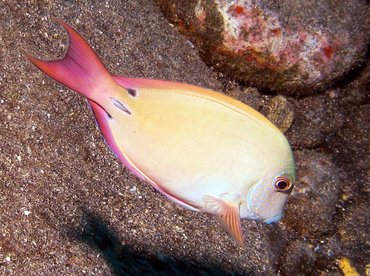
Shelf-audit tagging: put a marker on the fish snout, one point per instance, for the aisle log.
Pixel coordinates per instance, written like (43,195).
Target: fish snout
(274,219)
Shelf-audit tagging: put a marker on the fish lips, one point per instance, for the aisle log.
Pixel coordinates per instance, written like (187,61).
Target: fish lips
(274,219)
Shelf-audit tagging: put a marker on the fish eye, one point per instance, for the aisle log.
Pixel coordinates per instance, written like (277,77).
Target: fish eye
(283,184)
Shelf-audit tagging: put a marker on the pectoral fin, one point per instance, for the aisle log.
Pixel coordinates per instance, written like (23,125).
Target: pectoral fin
(227,213)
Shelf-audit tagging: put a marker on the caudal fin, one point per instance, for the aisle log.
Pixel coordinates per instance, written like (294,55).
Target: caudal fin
(80,69)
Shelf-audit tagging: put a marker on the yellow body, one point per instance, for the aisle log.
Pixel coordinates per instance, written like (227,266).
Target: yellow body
(195,142)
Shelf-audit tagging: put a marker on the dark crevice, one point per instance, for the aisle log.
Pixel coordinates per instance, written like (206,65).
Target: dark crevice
(354,73)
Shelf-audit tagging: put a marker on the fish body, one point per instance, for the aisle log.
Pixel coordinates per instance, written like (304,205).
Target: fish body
(201,149)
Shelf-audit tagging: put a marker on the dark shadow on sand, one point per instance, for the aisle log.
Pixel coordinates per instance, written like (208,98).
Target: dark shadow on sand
(124,260)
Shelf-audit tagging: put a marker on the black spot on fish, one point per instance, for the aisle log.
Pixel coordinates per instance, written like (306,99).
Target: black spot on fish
(118,104)
(132,92)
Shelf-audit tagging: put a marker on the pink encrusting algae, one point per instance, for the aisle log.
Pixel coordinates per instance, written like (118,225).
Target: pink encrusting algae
(258,36)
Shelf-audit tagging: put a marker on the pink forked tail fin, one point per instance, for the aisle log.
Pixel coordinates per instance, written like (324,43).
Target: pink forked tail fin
(80,69)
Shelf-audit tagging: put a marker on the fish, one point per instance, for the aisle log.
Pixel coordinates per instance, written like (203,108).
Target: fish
(200,148)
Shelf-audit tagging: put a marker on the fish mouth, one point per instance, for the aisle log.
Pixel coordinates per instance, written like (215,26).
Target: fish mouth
(274,219)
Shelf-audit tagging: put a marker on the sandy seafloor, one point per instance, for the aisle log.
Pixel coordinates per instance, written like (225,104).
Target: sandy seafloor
(68,207)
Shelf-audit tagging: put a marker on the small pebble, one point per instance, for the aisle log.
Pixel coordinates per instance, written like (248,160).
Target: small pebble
(133,189)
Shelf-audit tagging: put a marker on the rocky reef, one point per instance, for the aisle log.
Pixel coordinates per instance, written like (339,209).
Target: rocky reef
(299,47)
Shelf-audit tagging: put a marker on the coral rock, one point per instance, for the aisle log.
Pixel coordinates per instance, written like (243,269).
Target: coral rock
(312,204)
(295,47)
(280,112)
